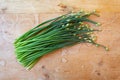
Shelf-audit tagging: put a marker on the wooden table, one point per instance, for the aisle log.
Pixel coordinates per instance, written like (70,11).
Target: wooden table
(79,62)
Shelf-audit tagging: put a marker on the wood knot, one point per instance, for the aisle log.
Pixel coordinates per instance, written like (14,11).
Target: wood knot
(3,9)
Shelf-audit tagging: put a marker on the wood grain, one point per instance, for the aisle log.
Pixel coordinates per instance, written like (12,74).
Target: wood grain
(51,6)
(79,62)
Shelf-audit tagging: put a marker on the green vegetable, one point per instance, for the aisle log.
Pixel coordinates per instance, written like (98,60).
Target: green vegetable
(53,34)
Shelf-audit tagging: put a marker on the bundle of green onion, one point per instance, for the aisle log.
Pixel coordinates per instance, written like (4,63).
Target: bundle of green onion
(53,34)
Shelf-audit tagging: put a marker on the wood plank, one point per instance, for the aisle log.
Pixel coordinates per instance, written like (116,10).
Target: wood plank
(51,6)
(88,63)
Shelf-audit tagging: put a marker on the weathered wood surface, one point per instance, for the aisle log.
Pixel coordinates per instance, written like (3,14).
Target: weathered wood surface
(79,62)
